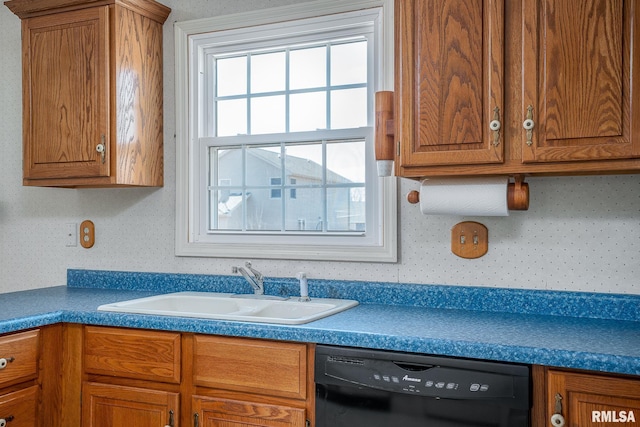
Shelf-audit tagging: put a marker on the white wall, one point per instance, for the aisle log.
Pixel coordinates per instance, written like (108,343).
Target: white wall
(580,233)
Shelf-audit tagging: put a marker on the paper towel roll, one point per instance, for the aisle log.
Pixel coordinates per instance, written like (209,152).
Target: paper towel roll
(485,196)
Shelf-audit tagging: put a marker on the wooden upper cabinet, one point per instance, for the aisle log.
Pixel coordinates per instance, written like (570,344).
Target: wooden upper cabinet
(92,92)
(66,89)
(449,81)
(580,64)
(569,68)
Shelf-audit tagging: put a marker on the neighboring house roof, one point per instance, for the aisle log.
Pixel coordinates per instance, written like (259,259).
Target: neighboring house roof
(297,166)
(227,206)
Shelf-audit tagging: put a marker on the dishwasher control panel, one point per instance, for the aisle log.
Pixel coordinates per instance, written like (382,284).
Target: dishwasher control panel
(433,376)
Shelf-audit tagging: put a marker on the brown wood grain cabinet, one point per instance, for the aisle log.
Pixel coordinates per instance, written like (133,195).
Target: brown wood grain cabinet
(92,92)
(19,393)
(516,87)
(160,378)
(589,399)
(107,405)
(245,382)
(132,377)
(19,408)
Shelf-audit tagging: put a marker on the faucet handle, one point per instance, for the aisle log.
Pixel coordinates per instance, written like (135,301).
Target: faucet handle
(304,286)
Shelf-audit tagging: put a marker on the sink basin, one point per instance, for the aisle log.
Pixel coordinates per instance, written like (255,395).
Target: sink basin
(245,308)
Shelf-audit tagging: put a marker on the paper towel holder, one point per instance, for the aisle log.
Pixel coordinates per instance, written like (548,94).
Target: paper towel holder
(517,195)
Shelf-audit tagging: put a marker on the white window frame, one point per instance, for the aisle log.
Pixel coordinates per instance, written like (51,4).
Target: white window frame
(378,246)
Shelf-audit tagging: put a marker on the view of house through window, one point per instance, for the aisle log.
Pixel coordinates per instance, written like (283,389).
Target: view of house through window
(274,133)
(253,180)
(291,93)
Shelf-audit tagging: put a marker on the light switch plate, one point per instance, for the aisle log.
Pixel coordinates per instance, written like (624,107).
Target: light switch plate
(469,239)
(71,234)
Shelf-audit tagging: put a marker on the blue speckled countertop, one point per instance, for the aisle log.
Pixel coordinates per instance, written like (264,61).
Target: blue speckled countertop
(599,332)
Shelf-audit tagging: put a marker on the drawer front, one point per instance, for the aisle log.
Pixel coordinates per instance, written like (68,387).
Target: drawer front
(131,353)
(250,365)
(18,357)
(18,409)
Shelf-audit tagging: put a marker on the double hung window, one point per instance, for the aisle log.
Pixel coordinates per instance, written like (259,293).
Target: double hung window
(275,137)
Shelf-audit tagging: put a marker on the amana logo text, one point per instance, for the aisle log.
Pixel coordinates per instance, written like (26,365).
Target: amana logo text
(613,417)
(408,378)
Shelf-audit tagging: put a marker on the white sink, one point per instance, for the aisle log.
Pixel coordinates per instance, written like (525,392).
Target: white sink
(246,308)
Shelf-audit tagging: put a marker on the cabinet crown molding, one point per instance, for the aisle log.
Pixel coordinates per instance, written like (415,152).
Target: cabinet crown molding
(30,8)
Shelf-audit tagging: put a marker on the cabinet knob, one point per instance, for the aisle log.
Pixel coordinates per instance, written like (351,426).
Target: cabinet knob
(529,124)
(171,422)
(4,362)
(495,126)
(4,421)
(102,148)
(557,420)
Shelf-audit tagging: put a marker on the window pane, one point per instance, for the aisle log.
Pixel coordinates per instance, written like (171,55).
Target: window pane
(229,210)
(304,163)
(231,76)
(346,162)
(304,212)
(348,108)
(268,114)
(263,212)
(226,168)
(231,117)
(308,68)
(308,112)
(263,164)
(268,72)
(346,209)
(349,63)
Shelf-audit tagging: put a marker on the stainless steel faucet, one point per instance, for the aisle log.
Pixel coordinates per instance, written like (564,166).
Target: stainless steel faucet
(256,279)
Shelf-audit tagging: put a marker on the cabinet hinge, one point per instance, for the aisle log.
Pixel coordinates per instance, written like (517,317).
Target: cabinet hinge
(397,148)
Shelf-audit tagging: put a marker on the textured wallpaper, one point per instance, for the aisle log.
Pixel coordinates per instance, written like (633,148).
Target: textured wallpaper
(580,233)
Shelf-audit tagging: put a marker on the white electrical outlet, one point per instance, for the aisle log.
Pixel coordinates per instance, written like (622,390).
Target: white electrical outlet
(71,234)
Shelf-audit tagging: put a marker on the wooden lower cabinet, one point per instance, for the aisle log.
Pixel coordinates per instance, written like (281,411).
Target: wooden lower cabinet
(218,412)
(592,400)
(19,408)
(106,405)
(19,392)
(143,378)
(244,382)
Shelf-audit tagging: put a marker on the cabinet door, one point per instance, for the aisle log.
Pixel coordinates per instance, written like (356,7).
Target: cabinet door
(18,409)
(580,64)
(449,81)
(215,412)
(105,405)
(65,94)
(592,400)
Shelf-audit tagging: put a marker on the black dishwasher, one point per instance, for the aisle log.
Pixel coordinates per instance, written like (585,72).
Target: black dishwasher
(374,388)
